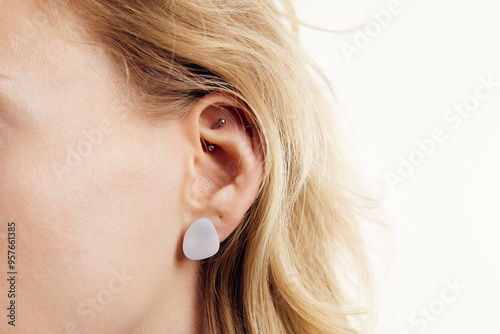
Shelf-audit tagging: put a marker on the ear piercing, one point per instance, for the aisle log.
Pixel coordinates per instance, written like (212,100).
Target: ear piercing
(222,121)
(201,240)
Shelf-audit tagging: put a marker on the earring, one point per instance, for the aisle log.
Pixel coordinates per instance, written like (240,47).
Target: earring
(201,240)
(222,121)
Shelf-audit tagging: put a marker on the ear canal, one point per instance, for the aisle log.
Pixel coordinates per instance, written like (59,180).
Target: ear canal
(201,240)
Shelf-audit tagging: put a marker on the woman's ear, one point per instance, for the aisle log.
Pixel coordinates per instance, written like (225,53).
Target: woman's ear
(225,162)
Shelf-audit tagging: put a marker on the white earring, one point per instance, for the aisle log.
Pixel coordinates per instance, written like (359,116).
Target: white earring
(201,240)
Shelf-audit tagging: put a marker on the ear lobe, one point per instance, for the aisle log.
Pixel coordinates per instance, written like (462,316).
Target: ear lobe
(226,180)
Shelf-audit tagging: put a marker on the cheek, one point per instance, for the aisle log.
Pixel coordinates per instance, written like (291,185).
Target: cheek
(106,214)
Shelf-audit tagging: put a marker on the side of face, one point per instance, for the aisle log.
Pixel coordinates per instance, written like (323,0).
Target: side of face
(93,191)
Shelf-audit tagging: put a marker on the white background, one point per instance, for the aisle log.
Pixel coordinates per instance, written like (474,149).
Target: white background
(396,90)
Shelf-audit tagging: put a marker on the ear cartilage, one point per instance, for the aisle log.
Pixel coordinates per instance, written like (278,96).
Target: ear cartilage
(222,121)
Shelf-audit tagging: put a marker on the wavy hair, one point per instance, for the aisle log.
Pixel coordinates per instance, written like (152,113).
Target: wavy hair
(287,267)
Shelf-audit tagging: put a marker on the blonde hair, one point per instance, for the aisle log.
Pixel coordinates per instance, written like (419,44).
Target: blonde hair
(285,267)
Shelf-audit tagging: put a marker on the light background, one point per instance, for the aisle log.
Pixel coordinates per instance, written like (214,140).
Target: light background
(445,216)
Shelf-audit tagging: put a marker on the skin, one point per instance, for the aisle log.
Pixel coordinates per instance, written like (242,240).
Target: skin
(101,199)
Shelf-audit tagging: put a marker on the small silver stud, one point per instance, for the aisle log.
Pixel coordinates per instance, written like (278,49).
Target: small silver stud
(221,121)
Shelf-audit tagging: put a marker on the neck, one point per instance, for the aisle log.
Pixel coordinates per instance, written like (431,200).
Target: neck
(178,308)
